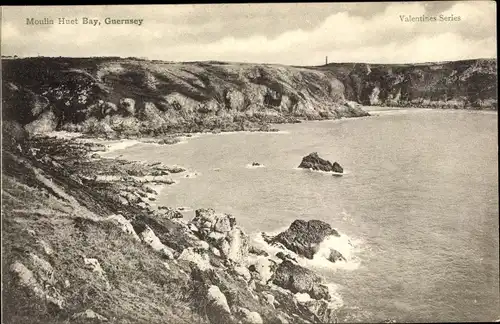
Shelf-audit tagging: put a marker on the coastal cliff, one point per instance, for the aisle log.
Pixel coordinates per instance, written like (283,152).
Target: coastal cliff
(467,84)
(128,97)
(131,97)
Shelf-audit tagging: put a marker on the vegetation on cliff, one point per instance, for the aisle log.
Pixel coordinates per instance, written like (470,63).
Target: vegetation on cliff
(468,84)
(129,97)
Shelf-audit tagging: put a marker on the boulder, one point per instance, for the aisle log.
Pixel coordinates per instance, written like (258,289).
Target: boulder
(304,237)
(248,317)
(128,105)
(298,279)
(337,168)
(150,238)
(169,213)
(263,268)
(124,225)
(202,260)
(237,245)
(335,256)
(89,314)
(286,256)
(94,265)
(26,278)
(208,221)
(314,162)
(217,308)
(221,232)
(255,250)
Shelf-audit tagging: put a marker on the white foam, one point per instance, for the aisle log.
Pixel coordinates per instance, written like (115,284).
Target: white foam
(336,300)
(342,244)
(348,247)
(303,297)
(120,145)
(323,172)
(250,166)
(64,134)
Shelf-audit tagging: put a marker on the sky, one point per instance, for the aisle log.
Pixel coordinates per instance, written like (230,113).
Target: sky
(279,33)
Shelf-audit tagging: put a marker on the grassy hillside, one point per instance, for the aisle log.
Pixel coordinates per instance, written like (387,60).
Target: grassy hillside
(83,242)
(131,96)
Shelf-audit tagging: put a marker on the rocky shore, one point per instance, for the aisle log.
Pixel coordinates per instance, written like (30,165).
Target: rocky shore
(85,242)
(125,98)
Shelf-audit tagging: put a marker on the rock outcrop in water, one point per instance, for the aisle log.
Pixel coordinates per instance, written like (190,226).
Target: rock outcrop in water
(304,237)
(314,162)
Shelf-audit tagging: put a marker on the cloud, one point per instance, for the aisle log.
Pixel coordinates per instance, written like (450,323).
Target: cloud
(269,33)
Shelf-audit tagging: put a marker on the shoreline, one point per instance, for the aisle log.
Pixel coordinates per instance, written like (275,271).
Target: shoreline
(127,192)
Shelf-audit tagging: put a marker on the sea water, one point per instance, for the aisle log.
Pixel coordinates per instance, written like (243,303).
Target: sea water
(417,206)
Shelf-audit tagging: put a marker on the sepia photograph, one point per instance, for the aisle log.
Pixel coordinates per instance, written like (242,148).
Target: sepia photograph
(263,163)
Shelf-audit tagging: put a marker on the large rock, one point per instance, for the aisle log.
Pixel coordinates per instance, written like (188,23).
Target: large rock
(150,238)
(169,212)
(248,317)
(124,225)
(45,292)
(237,245)
(202,260)
(128,105)
(217,308)
(298,279)
(304,237)
(314,162)
(220,231)
(263,268)
(208,221)
(335,256)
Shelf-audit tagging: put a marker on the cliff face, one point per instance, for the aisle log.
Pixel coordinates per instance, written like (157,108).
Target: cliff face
(132,96)
(128,97)
(469,84)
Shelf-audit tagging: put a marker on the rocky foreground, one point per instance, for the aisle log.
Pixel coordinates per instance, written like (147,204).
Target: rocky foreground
(84,242)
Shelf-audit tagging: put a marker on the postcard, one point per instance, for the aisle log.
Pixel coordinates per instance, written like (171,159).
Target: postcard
(250,163)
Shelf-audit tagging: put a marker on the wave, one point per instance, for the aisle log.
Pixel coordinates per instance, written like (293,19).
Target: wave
(323,172)
(202,134)
(64,134)
(184,209)
(344,245)
(250,166)
(347,246)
